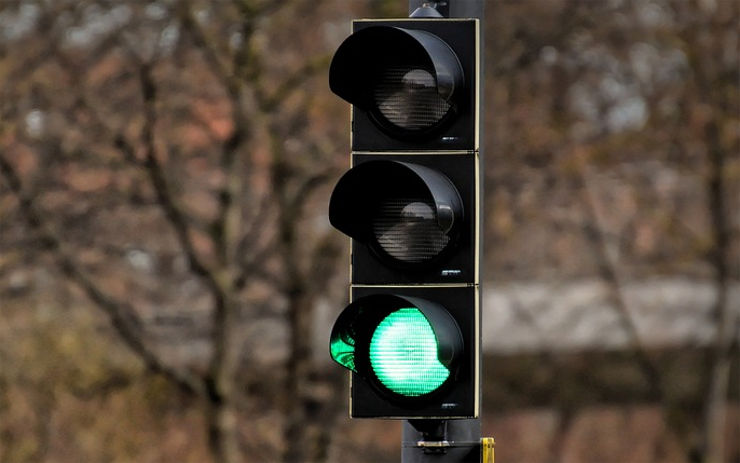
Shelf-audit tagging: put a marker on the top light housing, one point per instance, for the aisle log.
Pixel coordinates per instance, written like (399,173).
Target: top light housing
(409,82)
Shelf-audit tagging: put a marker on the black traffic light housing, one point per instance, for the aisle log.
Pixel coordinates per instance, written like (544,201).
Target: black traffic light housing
(438,58)
(411,204)
(449,313)
(438,188)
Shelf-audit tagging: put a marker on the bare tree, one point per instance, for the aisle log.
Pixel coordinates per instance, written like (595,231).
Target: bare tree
(712,79)
(207,122)
(608,84)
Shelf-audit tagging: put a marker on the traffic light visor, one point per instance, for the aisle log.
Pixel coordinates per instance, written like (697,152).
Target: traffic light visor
(408,80)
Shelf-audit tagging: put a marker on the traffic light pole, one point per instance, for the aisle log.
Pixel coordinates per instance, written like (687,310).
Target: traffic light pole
(426,441)
(448,441)
(452,8)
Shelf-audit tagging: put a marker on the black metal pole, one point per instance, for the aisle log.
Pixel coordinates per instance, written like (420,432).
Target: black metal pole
(452,8)
(448,441)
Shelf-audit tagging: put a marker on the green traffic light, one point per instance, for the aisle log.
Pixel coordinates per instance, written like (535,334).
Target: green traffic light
(404,354)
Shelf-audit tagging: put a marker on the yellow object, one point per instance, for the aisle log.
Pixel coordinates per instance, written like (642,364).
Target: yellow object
(486,449)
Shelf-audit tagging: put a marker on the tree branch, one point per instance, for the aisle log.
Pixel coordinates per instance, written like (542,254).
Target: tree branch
(190,25)
(296,80)
(595,233)
(154,169)
(123,317)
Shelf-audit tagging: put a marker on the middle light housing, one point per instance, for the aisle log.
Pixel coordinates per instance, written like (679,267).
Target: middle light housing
(409,220)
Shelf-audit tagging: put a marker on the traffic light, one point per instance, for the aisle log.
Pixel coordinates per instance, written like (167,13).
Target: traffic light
(411,204)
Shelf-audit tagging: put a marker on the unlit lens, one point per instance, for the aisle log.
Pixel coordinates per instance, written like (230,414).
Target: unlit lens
(408,98)
(407,229)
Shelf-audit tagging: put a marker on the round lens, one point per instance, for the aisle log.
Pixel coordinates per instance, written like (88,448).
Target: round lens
(407,229)
(404,354)
(408,98)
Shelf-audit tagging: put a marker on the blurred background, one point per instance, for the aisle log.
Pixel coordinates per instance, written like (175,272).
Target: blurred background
(168,275)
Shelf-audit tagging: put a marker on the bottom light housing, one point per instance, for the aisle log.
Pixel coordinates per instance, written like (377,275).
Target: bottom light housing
(411,355)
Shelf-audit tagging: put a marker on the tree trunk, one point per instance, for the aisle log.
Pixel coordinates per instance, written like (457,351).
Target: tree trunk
(715,411)
(297,429)
(223,438)
(222,431)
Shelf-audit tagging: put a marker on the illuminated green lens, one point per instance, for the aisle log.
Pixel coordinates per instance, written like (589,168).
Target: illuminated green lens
(403,354)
